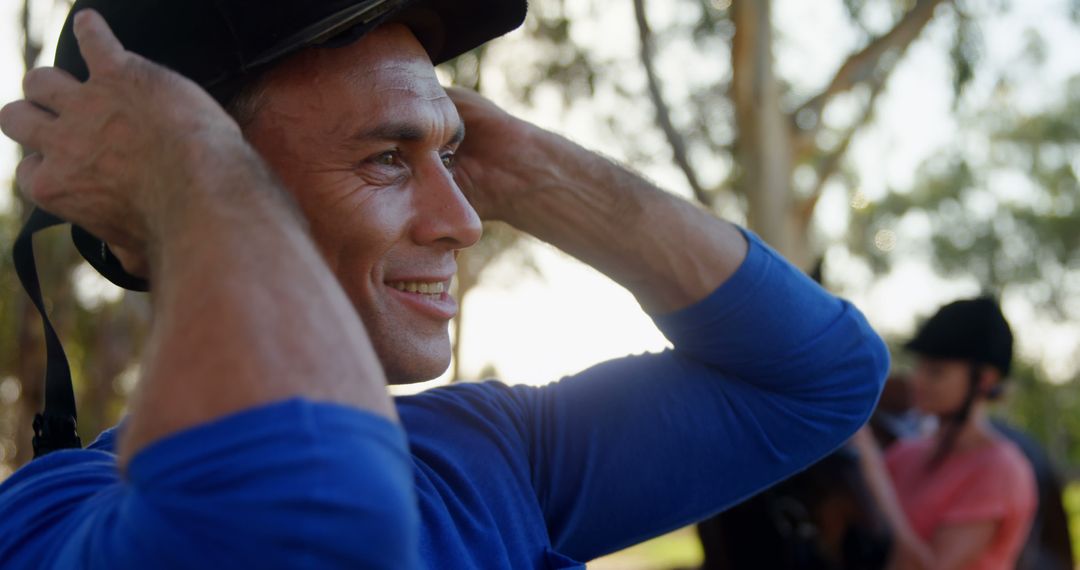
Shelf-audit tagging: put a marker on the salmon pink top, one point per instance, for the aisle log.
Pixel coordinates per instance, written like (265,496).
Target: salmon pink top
(990,483)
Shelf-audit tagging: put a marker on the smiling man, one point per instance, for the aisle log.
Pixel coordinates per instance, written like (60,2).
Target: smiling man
(330,200)
(366,137)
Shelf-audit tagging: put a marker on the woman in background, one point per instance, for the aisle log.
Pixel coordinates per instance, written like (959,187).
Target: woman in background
(962,497)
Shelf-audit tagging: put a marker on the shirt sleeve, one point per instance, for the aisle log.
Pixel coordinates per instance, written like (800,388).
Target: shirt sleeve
(295,484)
(767,375)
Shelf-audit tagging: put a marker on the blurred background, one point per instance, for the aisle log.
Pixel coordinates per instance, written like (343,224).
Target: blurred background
(910,151)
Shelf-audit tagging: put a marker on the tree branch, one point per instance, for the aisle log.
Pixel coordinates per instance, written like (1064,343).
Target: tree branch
(860,66)
(663,113)
(31,48)
(829,164)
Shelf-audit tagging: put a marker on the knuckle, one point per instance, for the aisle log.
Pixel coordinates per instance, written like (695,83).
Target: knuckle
(119,64)
(32,78)
(28,80)
(10,112)
(29,183)
(5,116)
(34,133)
(39,193)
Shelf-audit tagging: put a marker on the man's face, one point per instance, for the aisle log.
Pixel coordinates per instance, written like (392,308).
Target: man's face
(362,136)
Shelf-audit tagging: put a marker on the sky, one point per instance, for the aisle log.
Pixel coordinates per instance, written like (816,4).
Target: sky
(537,328)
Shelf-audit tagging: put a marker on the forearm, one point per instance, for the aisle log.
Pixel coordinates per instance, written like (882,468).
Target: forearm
(909,551)
(245,311)
(666,251)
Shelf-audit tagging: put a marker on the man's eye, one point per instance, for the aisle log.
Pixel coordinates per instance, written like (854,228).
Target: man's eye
(449,159)
(388,158)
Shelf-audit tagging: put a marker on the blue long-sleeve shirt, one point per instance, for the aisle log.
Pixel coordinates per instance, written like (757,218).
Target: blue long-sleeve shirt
(766,375)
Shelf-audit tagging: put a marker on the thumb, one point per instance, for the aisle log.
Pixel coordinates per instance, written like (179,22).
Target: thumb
(99,47)
(133,262)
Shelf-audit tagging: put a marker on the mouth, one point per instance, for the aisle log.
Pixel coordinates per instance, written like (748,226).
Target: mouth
(430,297)
(431,289)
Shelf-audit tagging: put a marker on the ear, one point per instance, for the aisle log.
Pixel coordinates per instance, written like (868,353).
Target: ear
(990,382)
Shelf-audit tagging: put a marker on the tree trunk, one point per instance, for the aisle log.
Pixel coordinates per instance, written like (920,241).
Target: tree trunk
(764,150)
(465,279)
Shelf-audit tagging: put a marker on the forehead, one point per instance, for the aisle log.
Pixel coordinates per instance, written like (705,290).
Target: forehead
(944,365)
(385,74)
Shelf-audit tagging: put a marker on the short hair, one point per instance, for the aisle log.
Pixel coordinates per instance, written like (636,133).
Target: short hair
(248,99)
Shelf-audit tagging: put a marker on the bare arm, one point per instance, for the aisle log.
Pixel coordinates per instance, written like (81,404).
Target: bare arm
(666,251)
(958,546)
(245,311)
(908,550)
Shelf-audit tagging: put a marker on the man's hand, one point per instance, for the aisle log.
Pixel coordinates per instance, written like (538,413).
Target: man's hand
(668,252)
(246,312)
(497,160)
(117,153)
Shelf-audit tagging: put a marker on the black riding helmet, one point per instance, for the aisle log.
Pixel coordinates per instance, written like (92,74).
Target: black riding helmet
(969,329)
(221,44)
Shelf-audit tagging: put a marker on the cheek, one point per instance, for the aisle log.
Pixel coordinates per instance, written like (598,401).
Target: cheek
(932,393)
(957,392)
(359,233)
(371,222)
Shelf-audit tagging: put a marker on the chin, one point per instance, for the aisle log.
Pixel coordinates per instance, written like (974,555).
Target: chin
(414,376)
(410,366)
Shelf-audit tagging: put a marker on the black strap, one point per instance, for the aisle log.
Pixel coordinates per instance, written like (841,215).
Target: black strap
(54,428)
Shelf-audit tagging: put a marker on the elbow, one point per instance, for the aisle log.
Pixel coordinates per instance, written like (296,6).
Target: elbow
(855,375)
(365,520)
(306,484)
(869,365)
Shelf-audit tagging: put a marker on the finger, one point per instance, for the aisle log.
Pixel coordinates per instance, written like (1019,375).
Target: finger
(27,124)
(99,47)
(26,174)
(132,262)
(50,87)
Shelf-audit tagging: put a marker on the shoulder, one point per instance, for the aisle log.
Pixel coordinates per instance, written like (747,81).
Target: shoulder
(448,412)
(1010,465)
(463,397)
(72,470)
(996,474)
(40,502)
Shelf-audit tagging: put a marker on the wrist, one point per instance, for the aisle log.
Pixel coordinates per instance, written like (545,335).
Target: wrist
(222,185)
(545,164)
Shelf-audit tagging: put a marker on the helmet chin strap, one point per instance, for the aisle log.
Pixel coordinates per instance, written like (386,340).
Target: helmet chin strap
(55,426)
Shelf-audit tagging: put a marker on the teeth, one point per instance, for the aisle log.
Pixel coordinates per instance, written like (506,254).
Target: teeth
(425,288)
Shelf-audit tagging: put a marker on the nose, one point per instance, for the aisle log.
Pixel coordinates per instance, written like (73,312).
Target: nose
(444,217)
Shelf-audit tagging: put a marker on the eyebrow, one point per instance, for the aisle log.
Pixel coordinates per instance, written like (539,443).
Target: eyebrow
(407,132)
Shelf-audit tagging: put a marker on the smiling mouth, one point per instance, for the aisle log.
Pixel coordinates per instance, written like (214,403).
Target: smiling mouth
(430,289)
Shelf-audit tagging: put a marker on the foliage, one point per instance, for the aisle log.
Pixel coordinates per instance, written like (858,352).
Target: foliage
(102,335)
(1000,205)
(1004,210)
(1072,507)
(673,97)
(1042,410)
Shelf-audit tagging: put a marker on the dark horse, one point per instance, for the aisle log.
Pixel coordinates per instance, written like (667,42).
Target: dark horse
(825,519)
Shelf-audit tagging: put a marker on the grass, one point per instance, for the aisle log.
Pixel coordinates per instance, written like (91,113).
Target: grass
(1072,508)
(679,549)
